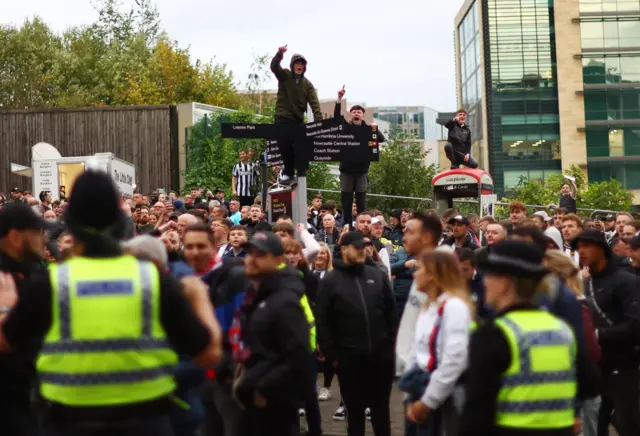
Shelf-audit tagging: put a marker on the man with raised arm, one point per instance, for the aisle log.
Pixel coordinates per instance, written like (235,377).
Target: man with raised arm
(354,170)
(295,91)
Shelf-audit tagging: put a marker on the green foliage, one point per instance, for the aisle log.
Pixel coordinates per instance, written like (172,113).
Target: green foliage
(607,195)
(210,158)
(319,176)
(123,58)
(400,171)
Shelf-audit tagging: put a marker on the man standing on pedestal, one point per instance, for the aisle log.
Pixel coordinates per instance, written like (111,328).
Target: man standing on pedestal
(295,91)
(458,147)
(354,169)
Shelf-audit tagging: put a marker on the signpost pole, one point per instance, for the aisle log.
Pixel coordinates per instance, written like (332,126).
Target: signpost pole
(265,179)
(299,201)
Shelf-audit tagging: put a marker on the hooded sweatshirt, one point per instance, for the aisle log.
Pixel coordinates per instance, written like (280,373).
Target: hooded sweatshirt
(294,93)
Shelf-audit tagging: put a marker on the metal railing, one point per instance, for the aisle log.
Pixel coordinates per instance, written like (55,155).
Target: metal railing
(498,203)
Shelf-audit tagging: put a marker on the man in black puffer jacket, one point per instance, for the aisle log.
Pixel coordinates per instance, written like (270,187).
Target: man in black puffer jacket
(356,321)
(616,299)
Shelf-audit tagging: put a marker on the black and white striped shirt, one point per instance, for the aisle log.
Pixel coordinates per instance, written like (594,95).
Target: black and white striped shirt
(246,175)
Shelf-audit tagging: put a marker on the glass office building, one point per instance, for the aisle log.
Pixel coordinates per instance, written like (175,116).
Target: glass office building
(610,36)
(470,71)
(522,101)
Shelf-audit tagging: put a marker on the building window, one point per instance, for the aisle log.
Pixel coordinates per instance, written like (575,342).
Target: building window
(627,174)
(610,34)
(611,69)
(612,104)
(513,178)
(622,141)
(609,5)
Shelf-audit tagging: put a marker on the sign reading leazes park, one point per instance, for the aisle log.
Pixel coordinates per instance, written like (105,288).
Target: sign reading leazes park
(322,141)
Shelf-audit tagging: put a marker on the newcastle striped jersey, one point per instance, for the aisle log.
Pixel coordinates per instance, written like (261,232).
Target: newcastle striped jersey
(246,175)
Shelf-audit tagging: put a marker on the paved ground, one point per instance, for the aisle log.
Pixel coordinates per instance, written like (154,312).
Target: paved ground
(337,428)
(331,427)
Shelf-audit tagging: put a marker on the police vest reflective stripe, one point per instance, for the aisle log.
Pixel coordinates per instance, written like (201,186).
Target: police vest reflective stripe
(539,387)
(308,314)
(106,344)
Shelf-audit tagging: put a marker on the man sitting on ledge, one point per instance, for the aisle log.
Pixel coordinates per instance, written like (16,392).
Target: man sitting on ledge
(458,147)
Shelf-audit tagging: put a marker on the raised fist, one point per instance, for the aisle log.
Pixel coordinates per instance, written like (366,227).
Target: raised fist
(341,93)
(283,49)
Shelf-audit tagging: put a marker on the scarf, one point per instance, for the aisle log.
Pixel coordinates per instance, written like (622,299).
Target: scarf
(211,265)
(241,352)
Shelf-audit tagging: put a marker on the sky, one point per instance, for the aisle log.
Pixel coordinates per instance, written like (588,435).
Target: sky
(385,52)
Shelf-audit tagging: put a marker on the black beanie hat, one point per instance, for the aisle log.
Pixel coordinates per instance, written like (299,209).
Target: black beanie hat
(94,216)
(94,205)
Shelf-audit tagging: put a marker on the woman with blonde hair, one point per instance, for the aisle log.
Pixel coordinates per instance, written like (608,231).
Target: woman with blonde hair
(440,347)
(323,263)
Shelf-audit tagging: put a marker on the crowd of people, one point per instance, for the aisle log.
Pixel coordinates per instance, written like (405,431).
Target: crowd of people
(529,325)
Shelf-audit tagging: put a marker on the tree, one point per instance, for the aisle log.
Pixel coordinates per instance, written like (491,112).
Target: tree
(607,195)
(210,158)
(123,58)
(400,171)
(27,65)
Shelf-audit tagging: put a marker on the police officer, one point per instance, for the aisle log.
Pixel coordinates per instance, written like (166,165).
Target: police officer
(112,326)
(525,370)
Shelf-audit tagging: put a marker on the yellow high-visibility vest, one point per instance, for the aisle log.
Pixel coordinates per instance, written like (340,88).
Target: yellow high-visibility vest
(106,345)
(539,387)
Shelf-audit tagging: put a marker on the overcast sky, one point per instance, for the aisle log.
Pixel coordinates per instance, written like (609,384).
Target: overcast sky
(386,52)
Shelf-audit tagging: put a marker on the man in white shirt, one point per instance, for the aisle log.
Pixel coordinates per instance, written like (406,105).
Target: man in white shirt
(221,228)
(545,223)
(571,228)
(422,232)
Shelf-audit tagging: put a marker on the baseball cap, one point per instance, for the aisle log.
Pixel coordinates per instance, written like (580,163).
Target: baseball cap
(16,189)
(218,190)
(542,214)
(20,216)
(354,238)
(459,219)
(266,242)
(610,217)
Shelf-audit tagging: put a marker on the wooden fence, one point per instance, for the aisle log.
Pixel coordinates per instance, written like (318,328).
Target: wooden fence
(146,136)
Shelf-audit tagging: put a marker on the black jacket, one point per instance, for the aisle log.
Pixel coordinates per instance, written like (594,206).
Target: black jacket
(17,369)
(469,242)
(354,166)
(459,137)
(356,312)
(277,333)
(618,298)
(329,239)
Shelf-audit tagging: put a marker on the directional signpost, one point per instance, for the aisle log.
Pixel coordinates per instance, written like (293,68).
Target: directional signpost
(322,141)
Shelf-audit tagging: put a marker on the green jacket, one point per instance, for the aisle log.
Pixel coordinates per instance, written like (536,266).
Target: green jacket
(293,97)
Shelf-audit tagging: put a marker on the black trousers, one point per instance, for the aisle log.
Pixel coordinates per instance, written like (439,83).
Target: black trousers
(246,200)
(620,395)
(18,421)
(153,426)
(270,421)
(457,158)
(365,381)
(287,131)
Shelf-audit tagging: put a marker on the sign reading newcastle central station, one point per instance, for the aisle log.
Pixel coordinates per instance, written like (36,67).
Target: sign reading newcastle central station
(322,141)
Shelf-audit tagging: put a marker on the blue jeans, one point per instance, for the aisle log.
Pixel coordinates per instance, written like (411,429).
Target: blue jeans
(414,383)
